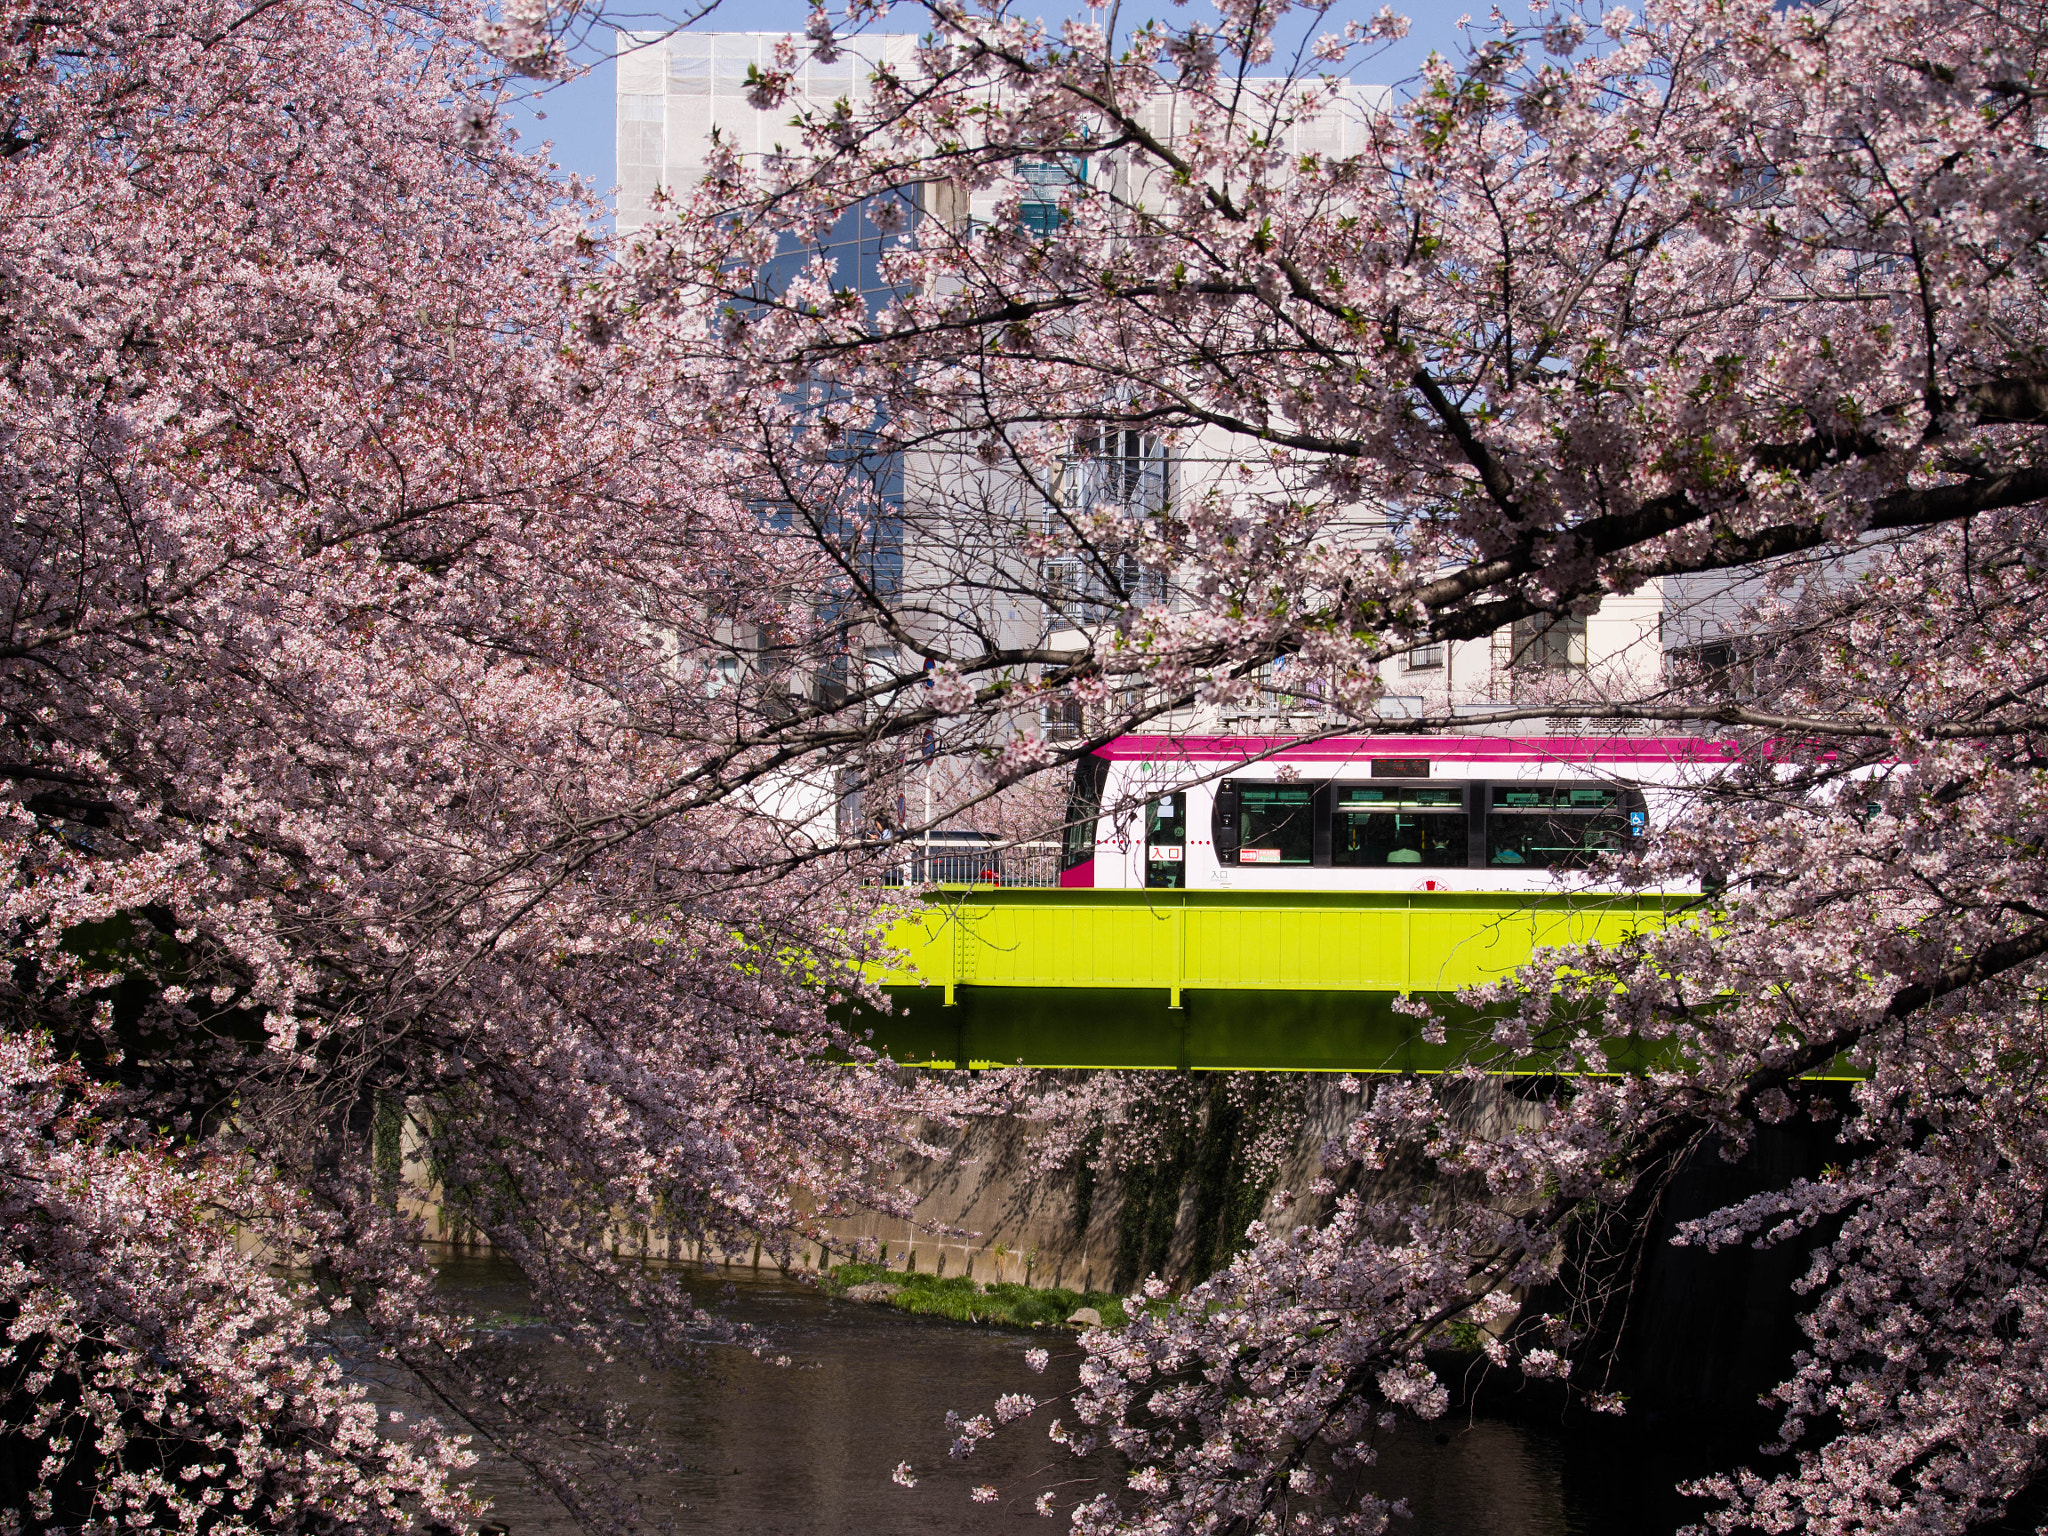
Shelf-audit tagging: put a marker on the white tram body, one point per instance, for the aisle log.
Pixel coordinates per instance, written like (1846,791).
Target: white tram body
(1417,813)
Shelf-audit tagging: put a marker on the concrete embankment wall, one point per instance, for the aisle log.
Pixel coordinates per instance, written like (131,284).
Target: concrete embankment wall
(1178,1216)
(1702,1333)
(988,1210)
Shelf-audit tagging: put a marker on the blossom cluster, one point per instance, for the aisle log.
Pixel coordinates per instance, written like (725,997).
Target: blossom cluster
(1611,299)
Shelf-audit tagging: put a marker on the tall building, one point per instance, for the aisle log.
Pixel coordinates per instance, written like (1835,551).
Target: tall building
(675,90)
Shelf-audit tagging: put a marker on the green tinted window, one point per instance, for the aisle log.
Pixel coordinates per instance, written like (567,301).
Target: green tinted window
(1556,826)
(1166,835)
(1276,824)
(1379,824)
(1435,839)
(1563,797)
(1545,839)
(1389,796)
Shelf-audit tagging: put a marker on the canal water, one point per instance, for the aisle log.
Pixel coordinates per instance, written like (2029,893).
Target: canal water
(807,1449)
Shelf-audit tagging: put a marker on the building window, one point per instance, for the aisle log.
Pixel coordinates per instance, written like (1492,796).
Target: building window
(847,803)
(1423,658)
(1092,581)
(1726,665)
(1119,467)
(1045,182)
(1060,720)
(689,76)
(1547,643)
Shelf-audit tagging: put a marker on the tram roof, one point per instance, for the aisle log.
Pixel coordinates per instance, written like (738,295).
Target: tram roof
(1446,748)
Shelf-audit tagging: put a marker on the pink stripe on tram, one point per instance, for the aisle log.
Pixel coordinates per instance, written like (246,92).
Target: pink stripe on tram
(1453,749)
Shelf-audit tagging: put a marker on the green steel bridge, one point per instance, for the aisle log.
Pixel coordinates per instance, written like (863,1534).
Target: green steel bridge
(1211,980)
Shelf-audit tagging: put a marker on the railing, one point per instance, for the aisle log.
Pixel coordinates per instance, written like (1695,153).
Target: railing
(969,858)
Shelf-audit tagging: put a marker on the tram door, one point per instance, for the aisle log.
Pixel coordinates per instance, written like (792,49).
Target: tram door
(1166,842)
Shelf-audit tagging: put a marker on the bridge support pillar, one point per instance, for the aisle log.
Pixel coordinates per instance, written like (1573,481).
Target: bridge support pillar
(1180,966)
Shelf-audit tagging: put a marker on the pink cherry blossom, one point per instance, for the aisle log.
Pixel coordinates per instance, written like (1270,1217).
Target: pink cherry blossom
(1609,300)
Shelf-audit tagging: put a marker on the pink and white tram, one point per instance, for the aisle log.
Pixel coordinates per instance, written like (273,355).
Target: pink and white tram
(1416,813)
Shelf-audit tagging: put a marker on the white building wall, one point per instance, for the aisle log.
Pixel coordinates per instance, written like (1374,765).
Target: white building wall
(675,90)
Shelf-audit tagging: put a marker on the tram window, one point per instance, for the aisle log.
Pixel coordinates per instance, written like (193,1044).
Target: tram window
(1421,824)
(1276,824)
(1084,805)
(1558,826)
(1563,797)
(1166,837)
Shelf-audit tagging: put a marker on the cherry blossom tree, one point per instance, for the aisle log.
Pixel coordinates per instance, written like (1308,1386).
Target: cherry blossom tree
(1608,300)
(369,762)
(440,647)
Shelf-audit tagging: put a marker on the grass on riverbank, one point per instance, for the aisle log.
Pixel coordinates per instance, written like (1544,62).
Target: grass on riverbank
(959,1298)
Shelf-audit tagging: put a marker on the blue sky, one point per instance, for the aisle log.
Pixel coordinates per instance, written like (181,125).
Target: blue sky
(577,116)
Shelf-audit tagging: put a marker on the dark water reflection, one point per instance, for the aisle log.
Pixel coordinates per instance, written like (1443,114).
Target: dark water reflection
(807,1450)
